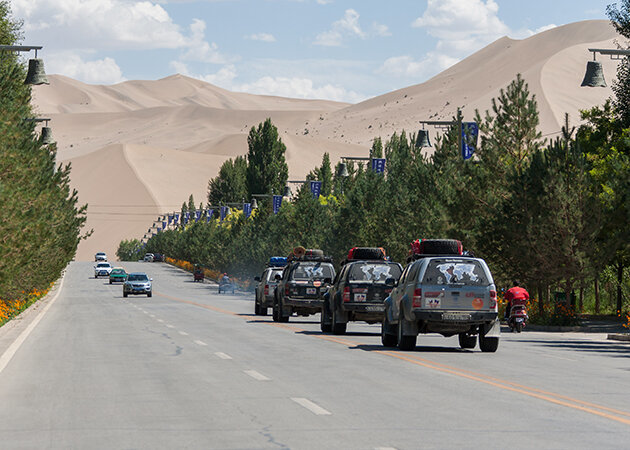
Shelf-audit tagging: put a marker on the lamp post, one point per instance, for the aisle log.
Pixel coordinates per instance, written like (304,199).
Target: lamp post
(467,133)
(594,76)
(36,74)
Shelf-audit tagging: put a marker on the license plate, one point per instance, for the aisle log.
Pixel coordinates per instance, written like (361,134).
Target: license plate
(360,297)
(375,308)
(455,316)
(311,291)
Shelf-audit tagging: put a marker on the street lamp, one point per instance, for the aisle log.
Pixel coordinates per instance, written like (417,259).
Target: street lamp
(36,74)
(594,76)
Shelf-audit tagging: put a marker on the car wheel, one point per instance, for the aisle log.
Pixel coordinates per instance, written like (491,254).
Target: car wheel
(467,341)
(274,311)
(325,321)
(124,294)
(149,294)
(389,336)
(110,281)
(488,344)
(405,342)
(337,328)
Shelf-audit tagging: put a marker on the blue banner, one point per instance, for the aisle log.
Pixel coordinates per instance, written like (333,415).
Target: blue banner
(470,132)
(316,188)
(197,215)
(186,217)
(163,225)
(247,209)
(378,165)
(209,215)
(277,202)
(170,218)
(223,212)
(176,219)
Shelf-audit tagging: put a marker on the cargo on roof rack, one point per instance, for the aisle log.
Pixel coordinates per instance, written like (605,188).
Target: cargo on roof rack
(366,253)
(310,254)
(425,247)
(277,261)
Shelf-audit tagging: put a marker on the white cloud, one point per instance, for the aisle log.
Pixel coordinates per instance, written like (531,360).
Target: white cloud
(100,71)
(264,37)
(380,29)
(324,2)
(408,67)
(347,26)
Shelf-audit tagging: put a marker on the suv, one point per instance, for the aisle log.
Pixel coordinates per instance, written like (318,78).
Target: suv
(102,269)
(303,283)
(100,256)
(442,291)
(148,257)
(266,285)
(158,257)
(137,283)
(359,290)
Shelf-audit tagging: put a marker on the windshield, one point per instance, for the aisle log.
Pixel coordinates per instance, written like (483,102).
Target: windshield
(307,271)
(138,277)
(103,265)
(375,272)
(455,272)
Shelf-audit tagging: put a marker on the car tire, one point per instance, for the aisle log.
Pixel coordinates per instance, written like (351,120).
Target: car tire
(467,341)
(405,342)
(274,311)
(337,328)
(388,337)
(325,321)
(110,281)
(488,344)
(149,294)
(124,294)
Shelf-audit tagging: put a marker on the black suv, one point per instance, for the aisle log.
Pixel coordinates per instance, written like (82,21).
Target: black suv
(359,290)
(302,285)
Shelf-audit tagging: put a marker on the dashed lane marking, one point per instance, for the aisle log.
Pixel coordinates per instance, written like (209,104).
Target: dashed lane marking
(202,343)
(312,407)
(223,355)
(183,333)
(170,326)
(257,375)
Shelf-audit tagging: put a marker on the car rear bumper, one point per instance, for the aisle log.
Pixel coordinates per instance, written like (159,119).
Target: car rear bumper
(469,317)
(369,308)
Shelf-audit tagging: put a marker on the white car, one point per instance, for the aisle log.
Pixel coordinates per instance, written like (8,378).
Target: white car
(100,256)
(148,257)
(102,269)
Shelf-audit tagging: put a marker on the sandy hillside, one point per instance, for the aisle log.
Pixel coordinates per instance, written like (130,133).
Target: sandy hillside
(140,148)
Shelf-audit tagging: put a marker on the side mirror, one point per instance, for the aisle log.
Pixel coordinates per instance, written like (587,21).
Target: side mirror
(391,282)
(328,280)
(278,277)
(150,279)
(257,279)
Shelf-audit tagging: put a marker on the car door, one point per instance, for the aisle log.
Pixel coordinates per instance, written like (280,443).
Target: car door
(398,292)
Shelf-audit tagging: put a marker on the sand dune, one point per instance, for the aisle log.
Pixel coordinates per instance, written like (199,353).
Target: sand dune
(140,148)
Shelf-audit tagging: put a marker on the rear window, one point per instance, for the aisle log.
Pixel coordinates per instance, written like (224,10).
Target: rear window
(455,272)
(271,276)
(308,271)
(117,271)
(103,265)
(374,272)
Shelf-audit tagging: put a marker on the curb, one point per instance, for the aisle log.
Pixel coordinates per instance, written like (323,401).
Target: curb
(619,337)
(557,329)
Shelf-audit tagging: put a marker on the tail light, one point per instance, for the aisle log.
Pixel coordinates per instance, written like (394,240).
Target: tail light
(266,289)
(493,299)
(417,298)
(346,294)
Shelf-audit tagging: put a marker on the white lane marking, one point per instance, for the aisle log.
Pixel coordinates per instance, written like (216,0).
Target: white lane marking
(385,448)
(256,375)
(312,407)
(145,312)
(169,326)
(200,343)
(160,320)
(183,333)
(14,347)
(223,355)
(150,315)
(557,357)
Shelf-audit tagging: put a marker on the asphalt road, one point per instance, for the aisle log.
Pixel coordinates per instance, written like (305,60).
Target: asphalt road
(189,368)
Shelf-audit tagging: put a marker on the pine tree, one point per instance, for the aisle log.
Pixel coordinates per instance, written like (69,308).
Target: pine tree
(230,184)
(325,176)
(267,170)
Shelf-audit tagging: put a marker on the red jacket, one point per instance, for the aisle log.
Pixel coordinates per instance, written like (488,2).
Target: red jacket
(516,293)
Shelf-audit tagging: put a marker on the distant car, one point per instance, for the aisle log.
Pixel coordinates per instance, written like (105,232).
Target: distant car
(100,256)
(138,283)
(117,274)
(102,269)
(158,257)
(148,257)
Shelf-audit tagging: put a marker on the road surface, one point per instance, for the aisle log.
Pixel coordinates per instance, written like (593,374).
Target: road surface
(189,368)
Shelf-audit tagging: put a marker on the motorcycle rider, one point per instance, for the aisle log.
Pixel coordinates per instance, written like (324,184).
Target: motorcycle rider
(514,293)
(225,279)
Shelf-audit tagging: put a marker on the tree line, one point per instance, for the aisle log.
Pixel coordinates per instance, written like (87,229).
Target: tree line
(40,219)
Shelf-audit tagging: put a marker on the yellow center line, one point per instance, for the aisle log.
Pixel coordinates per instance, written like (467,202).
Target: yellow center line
(551,397)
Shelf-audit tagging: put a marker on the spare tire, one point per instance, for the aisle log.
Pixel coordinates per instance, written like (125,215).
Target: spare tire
(368,253)
(314,253)
(440,247)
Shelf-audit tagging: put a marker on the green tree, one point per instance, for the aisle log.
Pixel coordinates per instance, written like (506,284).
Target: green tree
(267,170)
(325,175)
(620,19)
(230,184)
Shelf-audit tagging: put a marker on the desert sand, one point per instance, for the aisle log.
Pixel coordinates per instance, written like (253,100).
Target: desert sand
(138,149)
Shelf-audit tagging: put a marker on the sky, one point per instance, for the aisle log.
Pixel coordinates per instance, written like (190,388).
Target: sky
(343,50)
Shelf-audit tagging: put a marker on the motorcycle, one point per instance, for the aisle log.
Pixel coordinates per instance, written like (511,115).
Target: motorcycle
(518,316)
